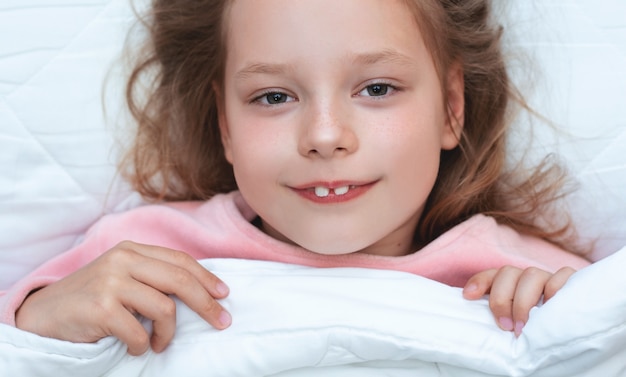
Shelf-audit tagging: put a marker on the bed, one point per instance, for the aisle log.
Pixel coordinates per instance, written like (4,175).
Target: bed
(60,112)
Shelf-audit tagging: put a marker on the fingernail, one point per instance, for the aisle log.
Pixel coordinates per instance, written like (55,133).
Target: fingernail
(222,289)
(225,318)
(519,325)
(506,323)
(471,288)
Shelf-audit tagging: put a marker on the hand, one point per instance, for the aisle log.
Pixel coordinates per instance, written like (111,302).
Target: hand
(513,292)
(102,298)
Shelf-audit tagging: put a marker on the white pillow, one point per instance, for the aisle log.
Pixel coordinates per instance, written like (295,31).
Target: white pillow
(57,164)
(578,49)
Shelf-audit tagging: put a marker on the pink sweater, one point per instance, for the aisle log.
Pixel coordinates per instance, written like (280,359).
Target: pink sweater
(221,228)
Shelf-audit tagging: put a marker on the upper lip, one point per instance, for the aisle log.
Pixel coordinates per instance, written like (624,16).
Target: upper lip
(330,184)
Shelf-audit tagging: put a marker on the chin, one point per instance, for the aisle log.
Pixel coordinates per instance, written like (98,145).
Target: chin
(325,240)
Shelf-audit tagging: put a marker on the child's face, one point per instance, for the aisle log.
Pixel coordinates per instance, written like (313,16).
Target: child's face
(324,96)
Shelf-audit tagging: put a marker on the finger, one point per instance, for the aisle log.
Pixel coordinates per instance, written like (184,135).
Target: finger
(556,282)
(124,326)
(156,306)
(215,286)
(479,285)
(528,293)
(501,296)
(172,279)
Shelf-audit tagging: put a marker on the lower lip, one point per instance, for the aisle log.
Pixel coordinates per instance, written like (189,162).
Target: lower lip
(353,193)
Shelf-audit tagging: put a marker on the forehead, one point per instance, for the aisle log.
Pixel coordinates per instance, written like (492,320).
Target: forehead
(280,29)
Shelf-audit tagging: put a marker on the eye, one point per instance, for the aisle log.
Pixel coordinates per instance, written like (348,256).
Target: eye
(273,98)
(377,90)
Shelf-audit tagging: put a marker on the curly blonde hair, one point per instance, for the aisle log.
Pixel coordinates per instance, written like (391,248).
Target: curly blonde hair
(177,152)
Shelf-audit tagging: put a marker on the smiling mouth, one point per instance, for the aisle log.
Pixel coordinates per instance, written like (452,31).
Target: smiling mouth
(329,193)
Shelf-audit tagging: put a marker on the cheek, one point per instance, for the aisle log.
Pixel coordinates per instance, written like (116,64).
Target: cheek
(413,151)
(416,164)
(258,153)
(410,138)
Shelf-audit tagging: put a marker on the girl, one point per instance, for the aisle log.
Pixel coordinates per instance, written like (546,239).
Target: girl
(366,133)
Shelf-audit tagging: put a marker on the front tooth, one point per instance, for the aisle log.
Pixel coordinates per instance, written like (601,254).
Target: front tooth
(341,190)
(322,192)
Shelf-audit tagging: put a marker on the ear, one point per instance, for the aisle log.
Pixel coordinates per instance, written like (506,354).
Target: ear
(455,108)
(223,123)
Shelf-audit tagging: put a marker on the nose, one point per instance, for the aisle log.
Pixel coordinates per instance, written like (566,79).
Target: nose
(327,132)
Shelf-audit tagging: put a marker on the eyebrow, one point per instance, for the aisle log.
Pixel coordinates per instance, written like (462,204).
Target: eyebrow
(262,68)
(385,56)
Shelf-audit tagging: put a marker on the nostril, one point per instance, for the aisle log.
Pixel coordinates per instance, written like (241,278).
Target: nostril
(339,151)
(327,142)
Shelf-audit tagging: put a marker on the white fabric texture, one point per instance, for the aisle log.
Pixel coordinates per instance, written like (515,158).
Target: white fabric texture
(57,176)
(300,321)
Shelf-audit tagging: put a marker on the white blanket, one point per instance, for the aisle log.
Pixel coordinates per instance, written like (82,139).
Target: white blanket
(298,321)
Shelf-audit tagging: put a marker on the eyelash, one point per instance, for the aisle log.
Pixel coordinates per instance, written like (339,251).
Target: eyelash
(264,96)
(389,89)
